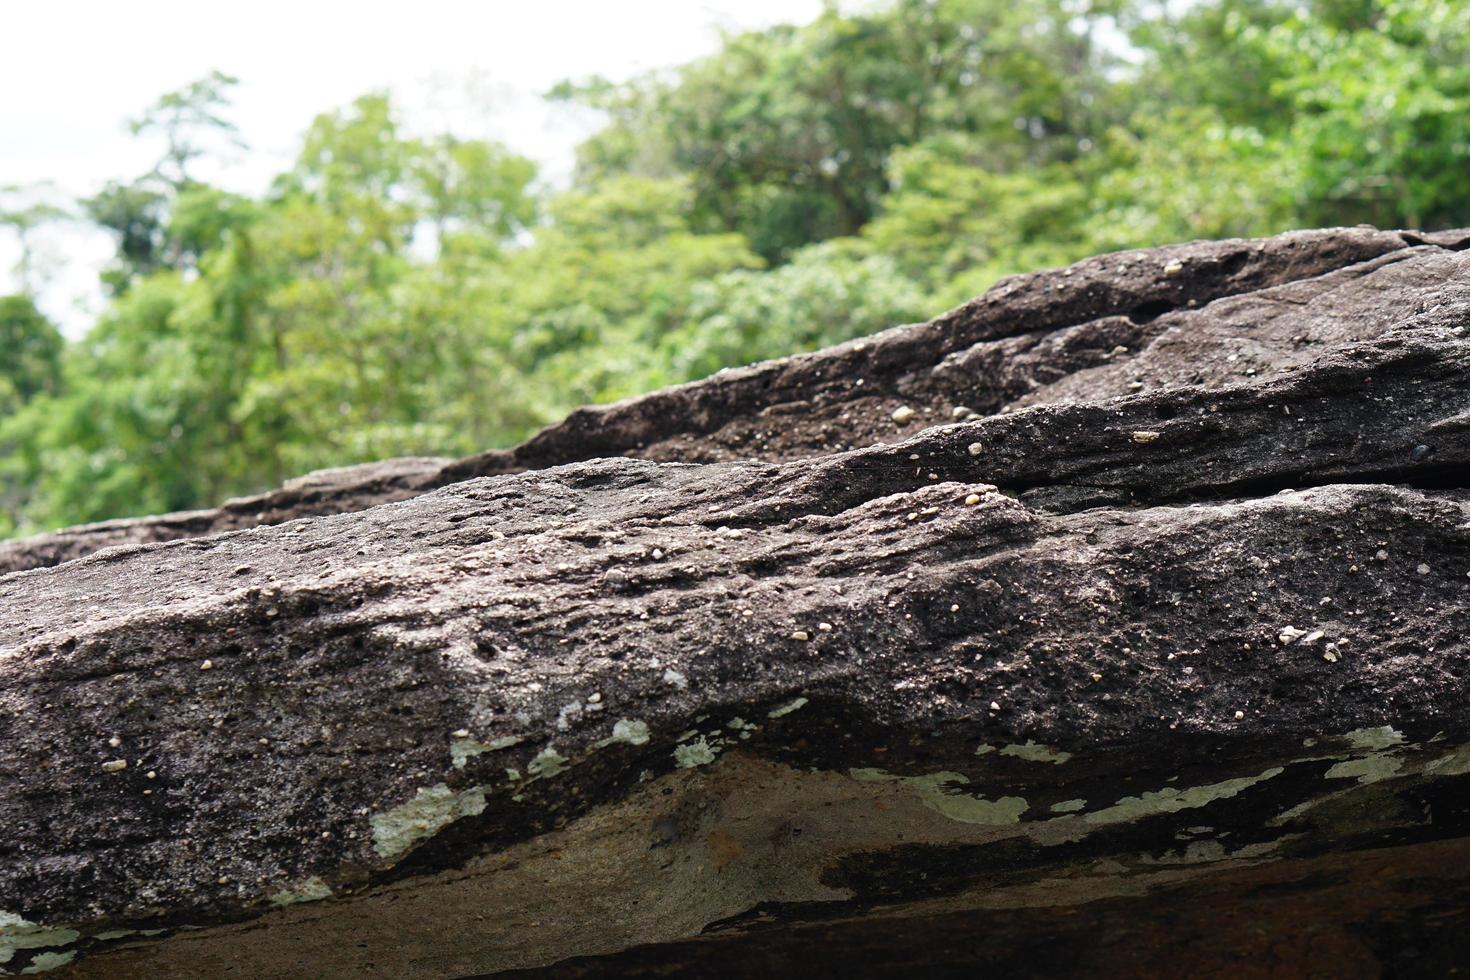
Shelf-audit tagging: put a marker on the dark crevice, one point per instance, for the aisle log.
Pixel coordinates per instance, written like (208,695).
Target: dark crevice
(1151,311)
(1450,245)
(1427,478)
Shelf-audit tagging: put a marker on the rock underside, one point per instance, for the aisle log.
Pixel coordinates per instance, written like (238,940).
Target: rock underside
(1113,624)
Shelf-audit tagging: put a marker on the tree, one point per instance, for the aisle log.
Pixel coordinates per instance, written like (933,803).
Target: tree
(25,210)
(193,123)
(140,212)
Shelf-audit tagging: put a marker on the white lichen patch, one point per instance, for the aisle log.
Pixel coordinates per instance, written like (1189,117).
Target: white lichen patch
(461,750)
(939,792)
(19,933)
(313,889)
(694,754)
(404,827)
(1172,800)
(626,731)
(786,708)
(1032,752)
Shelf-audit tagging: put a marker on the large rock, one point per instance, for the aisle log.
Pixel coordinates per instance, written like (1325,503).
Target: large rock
(1156,665)
(1087,333)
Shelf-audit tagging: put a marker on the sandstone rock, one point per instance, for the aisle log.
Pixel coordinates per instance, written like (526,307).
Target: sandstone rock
(1087,333)
(880,710)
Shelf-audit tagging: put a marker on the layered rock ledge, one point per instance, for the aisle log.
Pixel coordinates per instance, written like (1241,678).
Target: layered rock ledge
(1112,624)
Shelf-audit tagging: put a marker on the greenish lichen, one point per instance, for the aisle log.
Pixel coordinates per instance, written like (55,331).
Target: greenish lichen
(1457,763)
(461,750)
(627,731)
(786,708)
(42,962)
(1369,769)
(1068,806)
(19,933)
(547,763)
(402,828)
(694,754)
(1375,739)
(1032,752)
(313,889)
(1171,800)
(938,791)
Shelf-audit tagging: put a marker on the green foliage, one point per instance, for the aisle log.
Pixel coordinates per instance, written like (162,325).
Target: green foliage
(828,293)
(786,133)
(406,293)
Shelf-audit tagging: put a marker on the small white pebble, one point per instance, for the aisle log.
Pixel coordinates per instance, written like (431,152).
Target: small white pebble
(954,608)
(1423,569)
(264,741)
(961,412)
(974,449)
(658,553)
(460,733)
(994,706)
(151,774)
(972,500)
(1174,268)
(114,741)
(116,765)
(1381,555)
(902,414)
(1240,716)
(1096,678)
(825,627)
(207,665)
(801,635)
(1142,436)
(595,698)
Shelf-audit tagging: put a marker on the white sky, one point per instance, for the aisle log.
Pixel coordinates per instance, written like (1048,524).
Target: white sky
(74,72)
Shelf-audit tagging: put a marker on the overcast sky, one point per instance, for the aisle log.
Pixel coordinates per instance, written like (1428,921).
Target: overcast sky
(75,72)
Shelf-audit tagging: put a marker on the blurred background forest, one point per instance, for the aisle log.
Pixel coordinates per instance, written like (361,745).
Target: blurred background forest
(398,293)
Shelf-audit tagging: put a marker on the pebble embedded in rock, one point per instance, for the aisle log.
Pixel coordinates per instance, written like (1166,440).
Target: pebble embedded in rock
(800,635)
(116,765)
(974,449)
(1173,268)
(1143,436)
(902,414)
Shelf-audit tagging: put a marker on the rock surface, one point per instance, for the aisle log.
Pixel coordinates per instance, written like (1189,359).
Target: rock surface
(1205,314)
(1152,660)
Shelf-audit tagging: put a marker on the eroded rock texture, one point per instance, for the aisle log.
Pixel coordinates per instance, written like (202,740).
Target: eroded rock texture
(1112,624)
